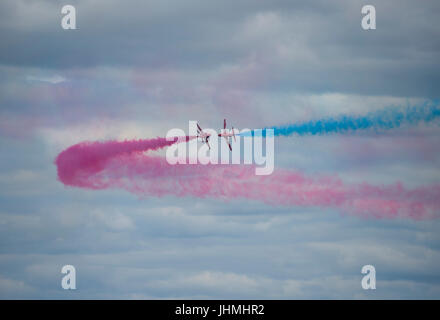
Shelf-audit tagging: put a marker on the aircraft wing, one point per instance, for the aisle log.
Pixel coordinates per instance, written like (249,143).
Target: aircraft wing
(224,123)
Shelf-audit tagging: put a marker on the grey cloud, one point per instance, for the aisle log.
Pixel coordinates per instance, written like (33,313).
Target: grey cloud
(317,47)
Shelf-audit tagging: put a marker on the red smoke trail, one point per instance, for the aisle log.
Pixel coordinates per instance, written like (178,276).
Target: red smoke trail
(100,165)
(78,164)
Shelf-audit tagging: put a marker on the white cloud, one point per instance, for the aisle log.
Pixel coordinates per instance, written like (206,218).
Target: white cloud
(55,79)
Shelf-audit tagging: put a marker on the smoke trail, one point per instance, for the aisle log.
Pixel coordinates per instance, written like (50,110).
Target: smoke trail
(87,159)
(379,120)
(101,165)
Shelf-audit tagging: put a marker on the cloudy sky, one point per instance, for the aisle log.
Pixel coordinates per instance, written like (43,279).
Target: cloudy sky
(135,69)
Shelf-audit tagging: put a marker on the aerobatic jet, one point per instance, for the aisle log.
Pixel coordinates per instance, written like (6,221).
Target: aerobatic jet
(204,136)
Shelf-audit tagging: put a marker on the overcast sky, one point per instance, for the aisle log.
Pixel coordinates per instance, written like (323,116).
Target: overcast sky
(135,69)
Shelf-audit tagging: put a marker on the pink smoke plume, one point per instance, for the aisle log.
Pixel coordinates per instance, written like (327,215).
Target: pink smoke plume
(112,164)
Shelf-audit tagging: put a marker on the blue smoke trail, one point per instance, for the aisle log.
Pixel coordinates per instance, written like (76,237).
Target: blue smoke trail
(386,119)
